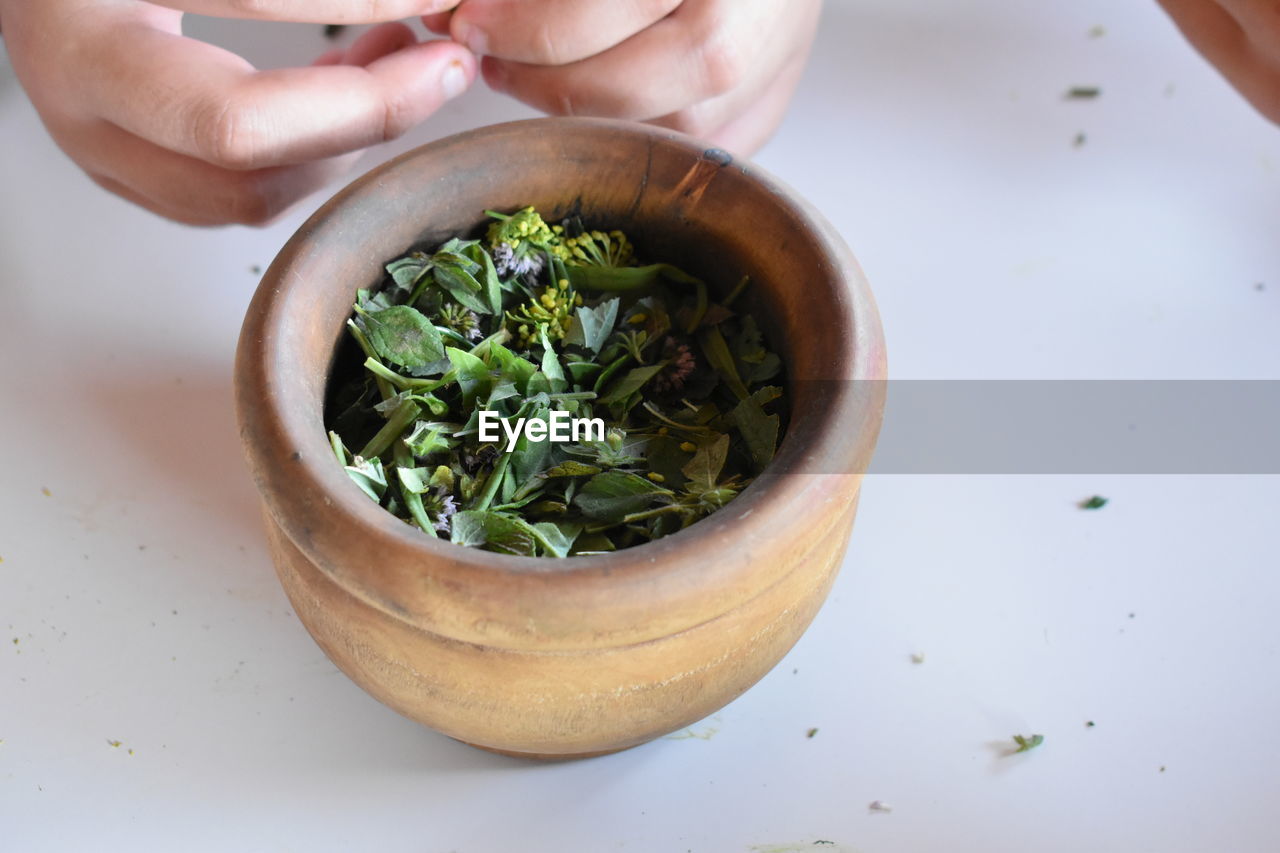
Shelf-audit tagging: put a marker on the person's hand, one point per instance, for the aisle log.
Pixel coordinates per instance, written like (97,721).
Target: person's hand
(192,131)
(723,70)
(1241,38)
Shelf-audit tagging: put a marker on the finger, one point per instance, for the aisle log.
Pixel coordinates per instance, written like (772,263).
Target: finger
(1260,22)
(312,11)
(742,121)
(330,57)
(207,103)
(658,71)
(190,190)
(437,23)
(382,40)
(552,32)
(1220,36)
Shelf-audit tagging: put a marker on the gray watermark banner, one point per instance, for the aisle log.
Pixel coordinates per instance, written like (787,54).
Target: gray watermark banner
(1077,426)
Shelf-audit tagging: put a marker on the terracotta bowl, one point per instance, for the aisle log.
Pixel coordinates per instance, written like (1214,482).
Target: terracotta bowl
(587,655)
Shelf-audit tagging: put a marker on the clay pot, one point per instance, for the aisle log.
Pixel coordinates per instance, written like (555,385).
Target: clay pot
(560,658)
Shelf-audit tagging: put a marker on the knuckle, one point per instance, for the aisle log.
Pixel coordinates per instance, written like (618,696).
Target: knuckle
(724,65)
(399,117)
(226,135)
(545,48)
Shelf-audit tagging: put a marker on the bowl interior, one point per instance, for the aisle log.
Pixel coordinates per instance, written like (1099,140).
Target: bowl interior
(677,201)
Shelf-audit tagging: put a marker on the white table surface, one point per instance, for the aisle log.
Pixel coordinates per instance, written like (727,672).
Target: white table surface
(138,605)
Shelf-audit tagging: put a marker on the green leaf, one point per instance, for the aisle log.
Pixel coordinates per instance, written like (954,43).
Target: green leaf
(369,475)
(583,371)
(612,495)
(626,279)
(759,430)
(704,468)
(635,379)
(416,480)
(403,336)
(463,287)
(570,468)
(472,373)
(1026,743)
(407,271)
(1095,502)
(755,363)
(430,437)
(494,531)
(556,540)
(718,356)
(551,364)
(593,326)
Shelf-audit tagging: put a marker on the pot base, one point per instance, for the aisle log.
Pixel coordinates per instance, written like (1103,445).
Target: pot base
(549,756)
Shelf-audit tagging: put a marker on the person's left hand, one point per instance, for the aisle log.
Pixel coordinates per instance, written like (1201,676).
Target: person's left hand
(723,70)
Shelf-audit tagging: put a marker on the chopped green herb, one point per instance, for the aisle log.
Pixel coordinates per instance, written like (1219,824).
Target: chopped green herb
(810,733)
(1027,743)
(1095,502)
(541,392)
(1083,93)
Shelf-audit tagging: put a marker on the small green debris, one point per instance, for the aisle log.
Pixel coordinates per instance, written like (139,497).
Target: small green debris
(917,657)
(1097,32)
(44,490)
(1095,502)
(810,733)
(1090,724)
(1026,744)
(878,807)
(1083,93)
(1079,141)
(114,744)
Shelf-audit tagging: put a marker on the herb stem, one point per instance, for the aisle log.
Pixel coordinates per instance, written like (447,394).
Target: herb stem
(736,292)
(383,387)
(699,310)
(495,480)
(401,419)
(651,513)
(412,500)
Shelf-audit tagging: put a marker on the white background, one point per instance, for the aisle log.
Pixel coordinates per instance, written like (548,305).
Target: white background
(935,135)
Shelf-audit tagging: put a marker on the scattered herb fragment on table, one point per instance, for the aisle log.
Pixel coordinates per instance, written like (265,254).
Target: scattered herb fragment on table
(1095,502)
(878,807)
(1097,32)
(1025,743)
(332,31)
(810,733)
(114,744)
(917,657)
(1079,141)
(541,392)
(1083,93)
(1090,724)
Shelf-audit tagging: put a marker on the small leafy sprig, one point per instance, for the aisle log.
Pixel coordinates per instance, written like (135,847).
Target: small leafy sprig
(531,321)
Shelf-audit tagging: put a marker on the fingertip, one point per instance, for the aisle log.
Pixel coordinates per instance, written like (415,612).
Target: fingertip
(330,57)
(377,42)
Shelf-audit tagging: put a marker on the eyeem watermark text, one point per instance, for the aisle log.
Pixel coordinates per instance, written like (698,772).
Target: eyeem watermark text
(562,427)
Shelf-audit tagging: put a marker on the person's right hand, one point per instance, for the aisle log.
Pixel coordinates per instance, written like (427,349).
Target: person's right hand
(195,133)
(1241,38)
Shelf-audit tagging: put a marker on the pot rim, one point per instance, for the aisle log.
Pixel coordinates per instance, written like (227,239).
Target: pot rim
(278,415)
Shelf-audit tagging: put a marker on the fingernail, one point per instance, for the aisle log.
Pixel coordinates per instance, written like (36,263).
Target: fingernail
(454,80)
(473,37)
